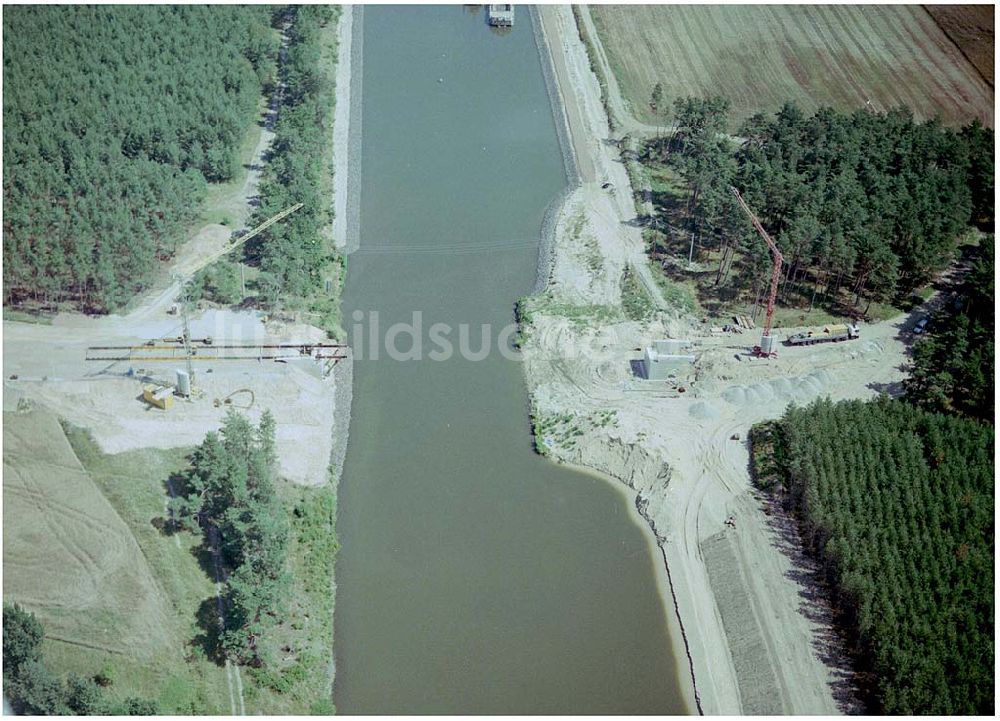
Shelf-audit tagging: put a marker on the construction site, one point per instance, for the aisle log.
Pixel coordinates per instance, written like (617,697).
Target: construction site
(683,392)
(621,379)
(684,396)
(101,413)
(166,374)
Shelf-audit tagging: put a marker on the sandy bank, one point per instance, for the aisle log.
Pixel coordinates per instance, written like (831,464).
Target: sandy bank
(346,199)
(755,633)
(571,86)
(347,128)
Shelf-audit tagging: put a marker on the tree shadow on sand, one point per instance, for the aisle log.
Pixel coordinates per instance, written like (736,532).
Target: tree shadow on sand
(851,688)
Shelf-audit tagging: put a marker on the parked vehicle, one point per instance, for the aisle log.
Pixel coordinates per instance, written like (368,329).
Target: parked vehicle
(827,334)
(921,325)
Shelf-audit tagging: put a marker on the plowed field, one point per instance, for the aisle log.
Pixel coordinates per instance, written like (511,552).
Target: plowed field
(761,56)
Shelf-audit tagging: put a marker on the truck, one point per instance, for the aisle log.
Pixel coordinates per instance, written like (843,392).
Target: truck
(827,334)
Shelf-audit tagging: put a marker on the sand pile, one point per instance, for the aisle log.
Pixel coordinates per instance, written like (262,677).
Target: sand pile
(703,410)
(795,388)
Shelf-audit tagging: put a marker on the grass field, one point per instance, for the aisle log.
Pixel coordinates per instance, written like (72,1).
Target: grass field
(83,548)
(182,679)
(116,596)
(761,56)
(67,554)
(20,316)
(134,483)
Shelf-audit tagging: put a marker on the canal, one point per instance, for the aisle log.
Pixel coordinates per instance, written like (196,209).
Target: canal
(474,576)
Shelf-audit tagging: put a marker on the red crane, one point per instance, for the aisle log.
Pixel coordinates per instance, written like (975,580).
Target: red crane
(765,349)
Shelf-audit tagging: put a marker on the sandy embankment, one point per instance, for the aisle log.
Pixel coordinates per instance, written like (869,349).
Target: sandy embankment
(754,633)
(346,198)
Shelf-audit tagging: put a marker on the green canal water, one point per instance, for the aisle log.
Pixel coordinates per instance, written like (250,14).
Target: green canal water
(474,576)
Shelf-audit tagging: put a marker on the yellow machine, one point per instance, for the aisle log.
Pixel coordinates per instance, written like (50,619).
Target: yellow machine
(158,396)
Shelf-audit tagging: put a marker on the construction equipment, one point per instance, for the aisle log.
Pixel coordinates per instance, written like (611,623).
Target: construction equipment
(160,394)
(153,350)
(221,352)
(185,280)
(828,334)
(204,263)
(229,401)
(766,347)
(181,349)
(161,397)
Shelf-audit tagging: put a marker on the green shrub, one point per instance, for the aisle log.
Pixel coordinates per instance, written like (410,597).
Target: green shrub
(636,302)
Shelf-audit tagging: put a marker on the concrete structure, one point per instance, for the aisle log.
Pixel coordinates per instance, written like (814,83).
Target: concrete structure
(500,15)
(183,383)
(664,358)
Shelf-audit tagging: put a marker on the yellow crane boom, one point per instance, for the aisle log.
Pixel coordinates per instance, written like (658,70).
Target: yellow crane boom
(188,353)
(244,238)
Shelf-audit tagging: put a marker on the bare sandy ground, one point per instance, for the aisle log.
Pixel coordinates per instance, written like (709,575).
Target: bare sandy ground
(754,628)
(50,368)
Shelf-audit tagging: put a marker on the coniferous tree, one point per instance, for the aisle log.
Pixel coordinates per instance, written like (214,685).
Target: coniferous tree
(953,363)
(231,494)
(114,117)
(903,525)
(22,638)
(870,203)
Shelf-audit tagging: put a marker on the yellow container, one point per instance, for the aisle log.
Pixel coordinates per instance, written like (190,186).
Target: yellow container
(158,396)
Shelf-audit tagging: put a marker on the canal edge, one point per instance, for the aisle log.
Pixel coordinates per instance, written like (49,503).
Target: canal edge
(545,263)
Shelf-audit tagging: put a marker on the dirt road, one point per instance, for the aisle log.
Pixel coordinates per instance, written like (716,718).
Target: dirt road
(605,190)
(623,119)
(48,361)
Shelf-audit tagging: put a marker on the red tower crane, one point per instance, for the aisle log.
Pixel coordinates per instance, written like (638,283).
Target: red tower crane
(766,347)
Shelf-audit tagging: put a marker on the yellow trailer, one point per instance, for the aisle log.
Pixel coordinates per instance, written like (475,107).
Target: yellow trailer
(829,333)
